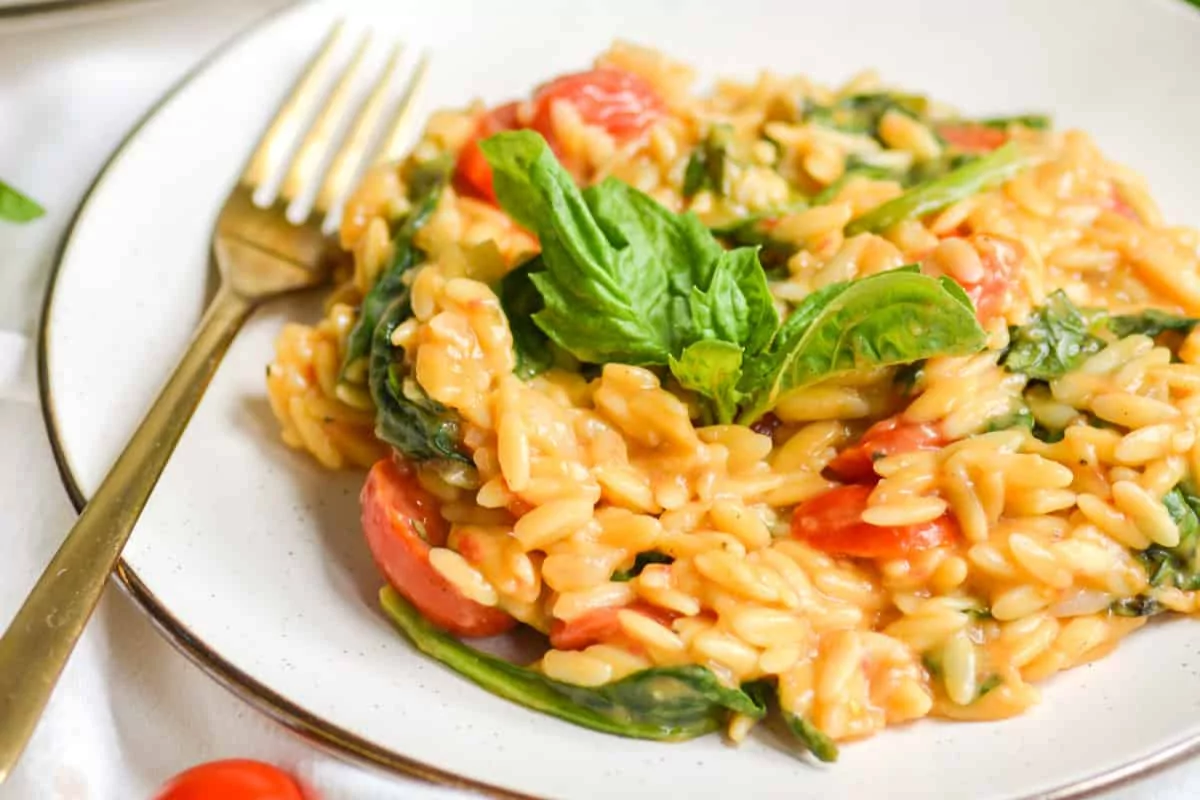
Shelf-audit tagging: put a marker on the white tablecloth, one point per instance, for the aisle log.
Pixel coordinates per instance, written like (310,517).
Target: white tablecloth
(131,711)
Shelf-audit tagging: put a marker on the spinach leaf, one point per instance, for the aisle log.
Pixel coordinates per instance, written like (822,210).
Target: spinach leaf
(812,738)
(1037,122)
(666,703)
(519,299)
(1047,435)
(861,113)
(895,317)
(712,369)
(980,613)
(934,168)
(405,417)
(1177,566)
(706,165)
(625,279)
(932,661)
(958,184)
(1052,343)
(17,207)
(1141,605)
(1022,417)
(1150,322)
(989,683)
(426,182)
(854,169)
(640,562)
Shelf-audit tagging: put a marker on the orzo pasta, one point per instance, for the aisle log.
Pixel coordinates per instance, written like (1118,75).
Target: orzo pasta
(824,393)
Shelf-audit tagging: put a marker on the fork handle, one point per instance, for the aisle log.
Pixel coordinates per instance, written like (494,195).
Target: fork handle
(41,636)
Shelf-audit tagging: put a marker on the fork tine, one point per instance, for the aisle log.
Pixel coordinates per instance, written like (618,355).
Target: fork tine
(273,147)
(320,138)
(391,148)
(349,156)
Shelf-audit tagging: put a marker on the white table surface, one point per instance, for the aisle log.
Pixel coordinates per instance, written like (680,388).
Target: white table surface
(131,711)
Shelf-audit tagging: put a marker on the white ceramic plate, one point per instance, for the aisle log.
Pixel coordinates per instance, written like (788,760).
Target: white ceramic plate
(251,558)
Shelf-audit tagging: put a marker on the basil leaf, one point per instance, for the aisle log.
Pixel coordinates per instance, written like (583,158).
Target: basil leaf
(812,738)
(18,207)
(625,279)
(405,417)
(1150,322)
(737,306)
(895,317)
(601,303)
(652,238)
(1052,343)
(712,368)
(665,703)
(426,182)
(958,184)
(519,299)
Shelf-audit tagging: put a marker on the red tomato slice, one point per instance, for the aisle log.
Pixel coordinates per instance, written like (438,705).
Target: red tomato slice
(235,779)
(472,173)
(622,103)
(401,522)
(1001,260)
(887,437)
(832,522)
(971,137)
(600,625)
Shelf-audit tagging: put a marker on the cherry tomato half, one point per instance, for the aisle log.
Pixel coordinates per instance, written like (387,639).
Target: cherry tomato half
(832,522)
(887,437)
(622,103)
(1000,257)
(971,137)
(235,779)
(401,523)
(600,626)
(472,173)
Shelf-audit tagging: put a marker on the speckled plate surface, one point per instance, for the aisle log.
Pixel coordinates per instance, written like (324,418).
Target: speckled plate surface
(249,557)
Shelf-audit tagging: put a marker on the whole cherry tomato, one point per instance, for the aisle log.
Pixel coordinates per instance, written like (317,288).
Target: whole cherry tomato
(234,779)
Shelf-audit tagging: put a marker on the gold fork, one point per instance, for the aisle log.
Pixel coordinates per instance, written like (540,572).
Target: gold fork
(259,255)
